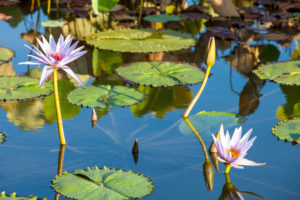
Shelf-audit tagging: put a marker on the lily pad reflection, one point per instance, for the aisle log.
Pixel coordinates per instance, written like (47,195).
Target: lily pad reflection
(209,122)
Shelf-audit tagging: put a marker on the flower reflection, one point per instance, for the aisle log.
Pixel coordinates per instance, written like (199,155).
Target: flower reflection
(230,192)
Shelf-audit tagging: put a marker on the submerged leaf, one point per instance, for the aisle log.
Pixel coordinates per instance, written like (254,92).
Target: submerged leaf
(6,55)
(53,23)
(103,184)
(162,18)
(159,74)
(104,96)
(288,130)
(208,123)
(287,73)
(2,137)
(18,88)
(68,110)
(141,40)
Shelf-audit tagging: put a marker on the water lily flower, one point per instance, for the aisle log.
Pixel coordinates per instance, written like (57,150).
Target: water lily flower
(55,56)
(210,52)
(232,151)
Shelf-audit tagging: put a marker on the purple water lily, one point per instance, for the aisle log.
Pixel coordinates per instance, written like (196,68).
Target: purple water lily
(55,56)
(232,151)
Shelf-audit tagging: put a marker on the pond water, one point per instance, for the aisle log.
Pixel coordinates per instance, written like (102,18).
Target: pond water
(173,160)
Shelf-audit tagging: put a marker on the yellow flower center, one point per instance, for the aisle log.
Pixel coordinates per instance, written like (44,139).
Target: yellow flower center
(234,153)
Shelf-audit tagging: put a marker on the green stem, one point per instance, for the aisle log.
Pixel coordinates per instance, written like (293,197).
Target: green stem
(190,107)
(58,111)
(196,133)
(49,5)
(141,10)
(228,166)
(227,178)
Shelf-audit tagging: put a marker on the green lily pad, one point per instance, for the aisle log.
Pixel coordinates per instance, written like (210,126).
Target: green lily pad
(162,18)
(209,122)
(269,54)
(287,73)
(161,73)
(103,5)
(141,40)
(2,137)
(104,96)
(6,55)
(52,23)
(102,184)
(68,110)
(14,197)
(19,88)
(288,130)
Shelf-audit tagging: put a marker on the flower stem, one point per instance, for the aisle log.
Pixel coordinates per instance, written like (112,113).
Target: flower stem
(49,5)
(227,178)
(141,10)
(190,107)
(228,166)
(58,112)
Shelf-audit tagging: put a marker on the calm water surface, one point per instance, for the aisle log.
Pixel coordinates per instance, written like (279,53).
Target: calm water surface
(173,160)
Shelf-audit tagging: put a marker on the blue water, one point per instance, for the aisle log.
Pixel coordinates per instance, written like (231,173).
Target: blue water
(173,161)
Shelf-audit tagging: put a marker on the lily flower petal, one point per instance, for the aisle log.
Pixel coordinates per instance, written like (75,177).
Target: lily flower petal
(55,55)
(47,71)
(71,73)
(233,150)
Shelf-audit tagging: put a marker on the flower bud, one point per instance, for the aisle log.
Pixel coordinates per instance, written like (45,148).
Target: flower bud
(94,118)
(208,172)
(210,52)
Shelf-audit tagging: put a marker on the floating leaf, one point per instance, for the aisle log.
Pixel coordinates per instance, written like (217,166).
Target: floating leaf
(6,55)
(163,18)
(161,73)
(53,23)
(106,5)
(288,130)
(209,122)
(17,88)
(68,110)
(103,96)
(269,53)
(103,184)
(2,137)
(13,196)
(141,40)
(287,73)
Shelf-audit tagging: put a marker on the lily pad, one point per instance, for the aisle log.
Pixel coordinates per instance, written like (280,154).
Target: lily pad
(104,96)
(6,55)
(209,122)
(288,130)
(141,40)
(103,184)
(163,18)
(19,88)
(14,197)
(287,73)
(161,73)
(52,23)
(2,137)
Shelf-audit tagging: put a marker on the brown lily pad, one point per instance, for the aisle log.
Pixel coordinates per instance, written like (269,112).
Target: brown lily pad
(274,37)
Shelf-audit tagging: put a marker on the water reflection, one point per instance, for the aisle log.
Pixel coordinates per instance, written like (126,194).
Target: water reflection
(291,109)
(244,59)
(208,170)
(60,163)
(230,192)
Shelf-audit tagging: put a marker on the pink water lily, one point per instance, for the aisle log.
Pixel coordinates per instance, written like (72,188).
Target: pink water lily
(55,56)
(232,151)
